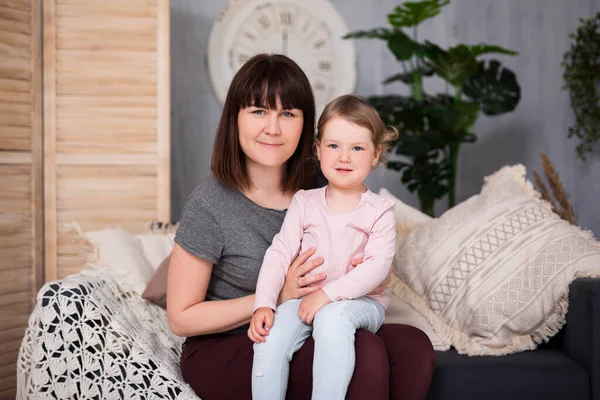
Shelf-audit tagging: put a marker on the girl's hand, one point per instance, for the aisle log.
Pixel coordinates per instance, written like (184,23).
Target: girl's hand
(311,304)
(260,324)
(296,281)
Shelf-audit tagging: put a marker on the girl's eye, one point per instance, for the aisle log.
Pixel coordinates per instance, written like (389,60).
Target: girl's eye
(333,146)
(357,148)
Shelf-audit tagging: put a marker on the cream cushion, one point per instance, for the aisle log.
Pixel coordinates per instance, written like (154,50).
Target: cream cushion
(398,311)
(491,275)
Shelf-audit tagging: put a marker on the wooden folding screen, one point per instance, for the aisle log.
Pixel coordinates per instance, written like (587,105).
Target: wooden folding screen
(20,177)
(106,120)
(84,137)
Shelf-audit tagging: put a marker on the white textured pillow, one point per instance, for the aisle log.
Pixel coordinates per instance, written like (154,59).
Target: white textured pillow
(398,311)
(492,274)
(123,253)
(157,247)
(405,214)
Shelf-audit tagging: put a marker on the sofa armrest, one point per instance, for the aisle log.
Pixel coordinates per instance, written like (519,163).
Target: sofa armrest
(581,340)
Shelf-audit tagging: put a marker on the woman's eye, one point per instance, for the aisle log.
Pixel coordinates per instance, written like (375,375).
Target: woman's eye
(258,112)
(357,148)
(333,146)
(288,114)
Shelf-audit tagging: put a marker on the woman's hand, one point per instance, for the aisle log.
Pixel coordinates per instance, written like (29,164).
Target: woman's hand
(379,289)
(260,325)
(296,281)
(311,304)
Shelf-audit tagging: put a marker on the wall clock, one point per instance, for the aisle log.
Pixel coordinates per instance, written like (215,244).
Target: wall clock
(308,31)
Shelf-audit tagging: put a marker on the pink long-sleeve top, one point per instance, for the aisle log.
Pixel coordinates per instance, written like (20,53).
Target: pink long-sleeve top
(368,232)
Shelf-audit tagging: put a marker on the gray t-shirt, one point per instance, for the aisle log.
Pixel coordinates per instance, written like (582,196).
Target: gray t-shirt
(221,225)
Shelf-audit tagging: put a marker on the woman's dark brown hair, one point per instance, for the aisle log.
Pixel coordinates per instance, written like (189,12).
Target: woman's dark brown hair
(260,82)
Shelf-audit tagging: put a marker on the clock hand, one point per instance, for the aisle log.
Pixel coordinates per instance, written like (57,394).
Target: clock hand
(285,38)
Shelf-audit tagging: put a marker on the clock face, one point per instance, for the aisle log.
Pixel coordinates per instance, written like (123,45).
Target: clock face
(309,32)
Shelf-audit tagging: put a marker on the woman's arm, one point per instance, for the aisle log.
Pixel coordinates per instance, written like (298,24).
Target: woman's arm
(187,312)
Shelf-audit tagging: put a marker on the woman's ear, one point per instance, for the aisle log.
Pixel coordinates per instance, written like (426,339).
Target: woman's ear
(377,155)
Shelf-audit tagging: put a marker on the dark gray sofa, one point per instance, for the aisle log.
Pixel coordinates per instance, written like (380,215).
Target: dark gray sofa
(567,367)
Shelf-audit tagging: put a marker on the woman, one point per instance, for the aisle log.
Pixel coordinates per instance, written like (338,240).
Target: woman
(261,157)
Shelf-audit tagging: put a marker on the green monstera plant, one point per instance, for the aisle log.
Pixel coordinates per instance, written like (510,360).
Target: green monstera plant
(434,126)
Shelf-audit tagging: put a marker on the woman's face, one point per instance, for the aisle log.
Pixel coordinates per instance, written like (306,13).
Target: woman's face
(269,137)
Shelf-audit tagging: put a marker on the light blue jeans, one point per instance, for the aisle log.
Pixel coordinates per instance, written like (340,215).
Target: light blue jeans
(333,330)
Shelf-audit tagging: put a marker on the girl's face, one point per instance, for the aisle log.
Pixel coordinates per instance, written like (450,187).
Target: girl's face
(269,137)
(346,153)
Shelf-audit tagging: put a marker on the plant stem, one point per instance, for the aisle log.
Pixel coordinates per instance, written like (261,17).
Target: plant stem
(426,204)
(454,150)
(457,94)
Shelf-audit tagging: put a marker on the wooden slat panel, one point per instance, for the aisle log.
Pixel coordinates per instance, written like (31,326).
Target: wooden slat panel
(14,13)
(15,315)
(8,385)
(20,177)
(37,167)
(15,27)
(49,63)
(15,86)
(15,280)
(15,77)
(16,221)
(22,5)
(107,8)
(7,345)
(14,320)
(103,118)
(9,299)
(99,197)
(15,69)
(15,44)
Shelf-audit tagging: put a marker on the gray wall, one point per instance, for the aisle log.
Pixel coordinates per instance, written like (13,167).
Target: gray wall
(538,29)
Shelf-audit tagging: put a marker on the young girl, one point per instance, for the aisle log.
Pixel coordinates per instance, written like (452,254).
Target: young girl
(344,221)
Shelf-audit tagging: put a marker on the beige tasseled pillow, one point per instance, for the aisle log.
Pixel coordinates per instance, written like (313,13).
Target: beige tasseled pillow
(492,274)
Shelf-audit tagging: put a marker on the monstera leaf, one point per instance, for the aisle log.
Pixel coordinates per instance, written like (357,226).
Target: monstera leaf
(483,48)
(400,111)
(427,174)
(399,43)
(376,33)
(413,13)
(402,46)
(455,65)
(408,77)
(494,87)
(454,118)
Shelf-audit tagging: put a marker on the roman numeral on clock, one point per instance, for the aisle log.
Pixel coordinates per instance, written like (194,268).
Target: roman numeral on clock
(319,43)
(264,21)
(324,65)
(286,18)
(242,58)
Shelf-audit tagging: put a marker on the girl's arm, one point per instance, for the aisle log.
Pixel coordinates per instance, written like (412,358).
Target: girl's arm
(187,312)
(379,254)
(279,256)
(187,283)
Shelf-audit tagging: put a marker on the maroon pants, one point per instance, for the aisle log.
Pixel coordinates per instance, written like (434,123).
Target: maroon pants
(397,363)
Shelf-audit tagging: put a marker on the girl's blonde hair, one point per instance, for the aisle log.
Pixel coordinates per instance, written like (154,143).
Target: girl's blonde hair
(358,111)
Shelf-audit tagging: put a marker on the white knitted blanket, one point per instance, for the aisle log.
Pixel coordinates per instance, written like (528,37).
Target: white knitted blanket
(93,336)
